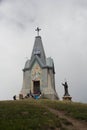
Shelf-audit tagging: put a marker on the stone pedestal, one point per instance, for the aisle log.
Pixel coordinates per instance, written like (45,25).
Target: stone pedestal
(67,98)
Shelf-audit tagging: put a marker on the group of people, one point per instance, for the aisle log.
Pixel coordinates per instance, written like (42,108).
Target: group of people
(35,96)
(29,95)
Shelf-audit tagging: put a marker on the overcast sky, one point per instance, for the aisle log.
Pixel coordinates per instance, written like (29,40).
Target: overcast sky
(64,36)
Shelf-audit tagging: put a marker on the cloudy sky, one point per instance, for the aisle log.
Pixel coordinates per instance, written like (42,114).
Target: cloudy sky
(64,36)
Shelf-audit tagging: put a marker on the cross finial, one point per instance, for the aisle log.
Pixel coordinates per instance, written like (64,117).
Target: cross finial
(38,29)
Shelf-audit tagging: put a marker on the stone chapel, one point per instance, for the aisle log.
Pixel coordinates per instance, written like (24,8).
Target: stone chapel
(39,72)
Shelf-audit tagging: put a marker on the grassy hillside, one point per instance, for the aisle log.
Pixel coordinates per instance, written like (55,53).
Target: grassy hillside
(75,110)
(34,115)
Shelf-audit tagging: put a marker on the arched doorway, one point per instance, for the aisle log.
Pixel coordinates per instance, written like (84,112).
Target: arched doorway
(36,87)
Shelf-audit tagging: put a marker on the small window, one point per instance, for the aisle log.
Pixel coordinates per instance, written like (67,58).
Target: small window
(37,52)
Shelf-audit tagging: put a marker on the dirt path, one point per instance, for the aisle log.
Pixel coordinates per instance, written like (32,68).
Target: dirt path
(76,125)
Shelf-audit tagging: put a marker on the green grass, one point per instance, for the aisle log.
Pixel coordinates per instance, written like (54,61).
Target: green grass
(75,110)
(32,115)
(26,115)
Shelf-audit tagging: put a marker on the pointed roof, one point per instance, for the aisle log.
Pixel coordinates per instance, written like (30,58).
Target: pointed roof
(39,50)
(38,54)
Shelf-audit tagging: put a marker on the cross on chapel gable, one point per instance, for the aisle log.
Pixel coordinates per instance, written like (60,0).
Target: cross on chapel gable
(37,29)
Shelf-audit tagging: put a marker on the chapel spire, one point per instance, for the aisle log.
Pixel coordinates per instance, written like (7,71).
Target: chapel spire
(38,49)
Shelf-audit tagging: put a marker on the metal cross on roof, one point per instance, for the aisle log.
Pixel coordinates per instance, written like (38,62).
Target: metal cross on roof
(38,29)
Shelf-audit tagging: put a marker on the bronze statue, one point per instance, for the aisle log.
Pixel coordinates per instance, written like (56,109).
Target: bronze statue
(66,89)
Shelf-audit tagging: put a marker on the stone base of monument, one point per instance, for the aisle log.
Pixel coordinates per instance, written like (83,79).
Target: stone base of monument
(67,98)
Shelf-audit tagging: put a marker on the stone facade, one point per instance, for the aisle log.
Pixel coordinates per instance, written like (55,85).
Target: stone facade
(39,73)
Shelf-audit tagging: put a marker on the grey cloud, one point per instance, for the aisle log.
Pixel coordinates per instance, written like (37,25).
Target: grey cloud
(17,12)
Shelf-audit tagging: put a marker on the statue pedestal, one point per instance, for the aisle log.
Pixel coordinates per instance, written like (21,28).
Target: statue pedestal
(67,98)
